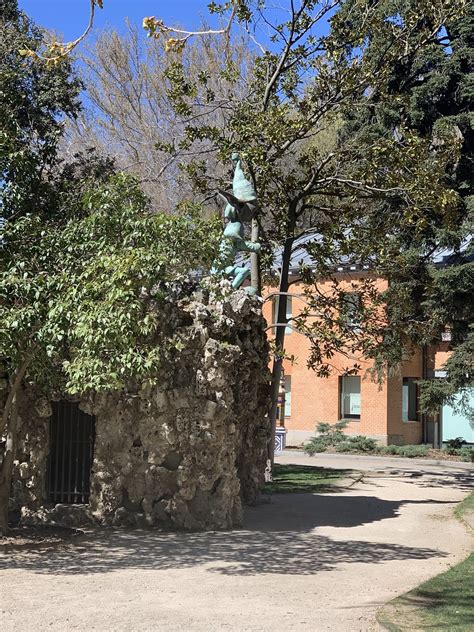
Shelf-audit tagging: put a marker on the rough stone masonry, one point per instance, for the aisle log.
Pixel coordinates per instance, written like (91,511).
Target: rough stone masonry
(184,453)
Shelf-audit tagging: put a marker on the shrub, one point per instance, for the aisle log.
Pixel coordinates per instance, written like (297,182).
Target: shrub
(323,428)
(453,446)
(389,449)
(467,453)
(331,433)
(456,444)
(412,451)
(314,445)
(344,446)
(360,443)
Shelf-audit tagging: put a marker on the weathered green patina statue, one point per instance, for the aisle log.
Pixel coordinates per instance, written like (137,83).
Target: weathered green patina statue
(240,208)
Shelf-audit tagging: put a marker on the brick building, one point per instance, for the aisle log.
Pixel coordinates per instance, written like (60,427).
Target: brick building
(387,412)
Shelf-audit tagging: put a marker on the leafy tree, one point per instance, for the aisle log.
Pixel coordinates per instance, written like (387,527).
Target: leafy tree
(355,198)
(34,99)
(129,116)
(80,253)
(80,299)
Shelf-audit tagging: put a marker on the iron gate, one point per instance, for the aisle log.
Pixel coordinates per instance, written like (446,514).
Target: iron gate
(71,436)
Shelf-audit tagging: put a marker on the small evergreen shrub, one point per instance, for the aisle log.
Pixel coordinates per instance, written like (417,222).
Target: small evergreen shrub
(412,451)
(329,435)
(360,443)
(314,446)
(466,453)
(454,445)
(389,449)
(344,446)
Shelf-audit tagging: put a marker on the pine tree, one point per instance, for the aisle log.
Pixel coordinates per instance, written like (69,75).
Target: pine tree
(434,96)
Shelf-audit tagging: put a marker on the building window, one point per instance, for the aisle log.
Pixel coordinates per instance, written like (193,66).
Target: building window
(350,310)
(287,395)
(289,313)
(409,399)
(350,397)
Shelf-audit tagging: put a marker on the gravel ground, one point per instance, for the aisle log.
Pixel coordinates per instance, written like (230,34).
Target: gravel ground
(301,562)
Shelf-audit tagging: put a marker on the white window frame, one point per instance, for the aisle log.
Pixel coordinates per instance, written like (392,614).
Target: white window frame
(287,395)
(345,395)
(350,310)
(289,312)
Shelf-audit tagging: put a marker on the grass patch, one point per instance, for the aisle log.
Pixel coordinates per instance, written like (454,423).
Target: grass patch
(298,479)
(465,509)
(445,602)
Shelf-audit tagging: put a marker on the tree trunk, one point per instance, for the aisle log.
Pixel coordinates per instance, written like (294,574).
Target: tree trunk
(254,261)
(279,343)
(7,467)
(10,428)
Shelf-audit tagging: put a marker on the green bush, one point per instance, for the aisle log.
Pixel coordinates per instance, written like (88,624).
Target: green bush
(453,446)
(389,449)
(467,453)
(360,443)
(331,433)
(314,446)
(344,446)
(412,451)
(332,436)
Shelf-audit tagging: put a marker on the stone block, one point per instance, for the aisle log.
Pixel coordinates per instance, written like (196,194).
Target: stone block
(43,407)
(210,409)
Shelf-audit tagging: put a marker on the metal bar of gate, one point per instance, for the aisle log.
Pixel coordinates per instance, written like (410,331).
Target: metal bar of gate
(62,421)
(83,462)
(77,445)
(70,427)
(56,450)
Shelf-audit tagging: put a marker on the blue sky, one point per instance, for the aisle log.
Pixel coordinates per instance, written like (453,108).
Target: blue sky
(70,17)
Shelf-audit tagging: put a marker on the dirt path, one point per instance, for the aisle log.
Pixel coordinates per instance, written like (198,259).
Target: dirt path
(303,562)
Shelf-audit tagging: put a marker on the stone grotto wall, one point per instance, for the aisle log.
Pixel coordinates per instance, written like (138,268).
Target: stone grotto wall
(182,454)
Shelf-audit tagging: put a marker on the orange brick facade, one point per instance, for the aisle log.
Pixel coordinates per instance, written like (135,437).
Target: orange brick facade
(315,399)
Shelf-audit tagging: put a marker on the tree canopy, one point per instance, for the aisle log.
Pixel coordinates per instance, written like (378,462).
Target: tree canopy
(381,192)
(82,257)
(130,116)
(34,101)
(432,275)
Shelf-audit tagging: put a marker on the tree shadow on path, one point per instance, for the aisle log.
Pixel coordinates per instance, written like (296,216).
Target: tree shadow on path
(463,480)
(277,538)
